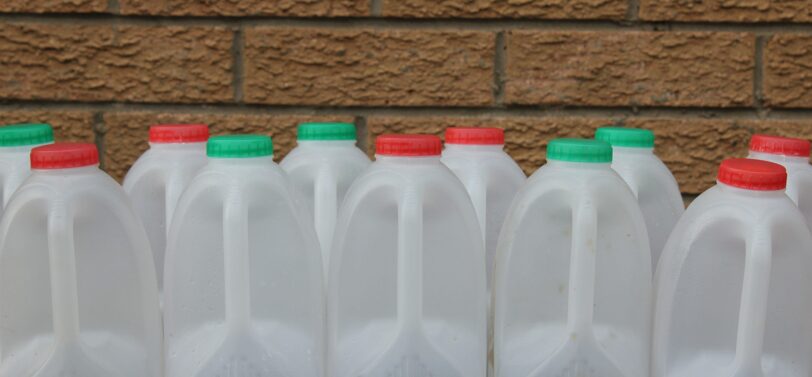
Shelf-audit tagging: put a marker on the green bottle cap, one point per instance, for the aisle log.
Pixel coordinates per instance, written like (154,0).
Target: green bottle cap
(326,131)
(239,146)
(579,150)
(16,135)
(626,137)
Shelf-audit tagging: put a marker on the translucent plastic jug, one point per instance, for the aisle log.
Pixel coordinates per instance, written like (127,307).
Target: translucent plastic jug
(573,287)
(78,293)
(792,154)
(492,178)
(16,142)
(322,167)
(407,293)
(158,178)
(651,182)
(734,292)
(243,294)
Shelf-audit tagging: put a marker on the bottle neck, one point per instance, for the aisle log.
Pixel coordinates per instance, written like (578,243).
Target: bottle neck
(410,160)
(326,143)
(77,171)
(469,148)
(241,162)
(750,194)
(632,151)
(778,158)
(177,146)
(579,165)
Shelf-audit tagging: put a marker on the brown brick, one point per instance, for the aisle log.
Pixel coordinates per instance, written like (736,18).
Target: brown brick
(726,10)
(69,125)
(107,63)
(541,9)
(284,8)
(788,75)
(304,66)
(525,137)
(53,6)
(126,133)
(600,68)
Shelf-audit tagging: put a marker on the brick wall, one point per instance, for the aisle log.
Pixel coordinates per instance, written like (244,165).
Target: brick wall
(703,74)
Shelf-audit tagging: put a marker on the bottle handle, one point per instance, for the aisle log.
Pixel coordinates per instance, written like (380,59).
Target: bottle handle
(236,261)
(172,193)
(478,190)
(582,265)
(410,259)
(326,211)
(64,286)
(754,300)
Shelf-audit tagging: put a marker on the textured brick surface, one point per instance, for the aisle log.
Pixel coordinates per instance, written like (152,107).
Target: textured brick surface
(69,125)
(726,10)
(788,72)
(630,68)
(297,8)
(126,133)
(368,67)
(53,6)
(104,63)
(691,147)
(549,9)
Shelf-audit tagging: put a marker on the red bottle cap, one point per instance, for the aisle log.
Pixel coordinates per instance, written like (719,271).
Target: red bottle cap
(784,146)
(751,174)
(178,133)
(475,135)
(408,145)
(64,156)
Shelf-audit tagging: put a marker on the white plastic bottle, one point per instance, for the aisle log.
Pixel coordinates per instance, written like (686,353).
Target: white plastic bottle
(78,294)
(407,293)
(476,156)
(16,142)
(792,154)
(158,178)
(243,294)
(322,167)
(573,287)
(734,293)
(651,182)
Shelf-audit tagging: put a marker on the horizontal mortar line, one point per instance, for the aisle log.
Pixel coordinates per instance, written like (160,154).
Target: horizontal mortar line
(484,24)
(409,111)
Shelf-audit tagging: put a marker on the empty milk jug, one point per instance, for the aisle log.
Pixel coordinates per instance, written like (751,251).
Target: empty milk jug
(16,142)
(573,272)
(78,294)
(322,167)
(477,157)
(651,182)
(243,294)
(407,292)
(158,178)
(793,154)
(734,293)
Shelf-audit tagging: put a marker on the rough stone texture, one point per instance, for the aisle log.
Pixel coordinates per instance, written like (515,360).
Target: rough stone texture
(788,71)
(630,68)
(306,66)
(126,133)
(121,63)
(544,9)
(726,10)
(53,6)
(285,8)
(69,125)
